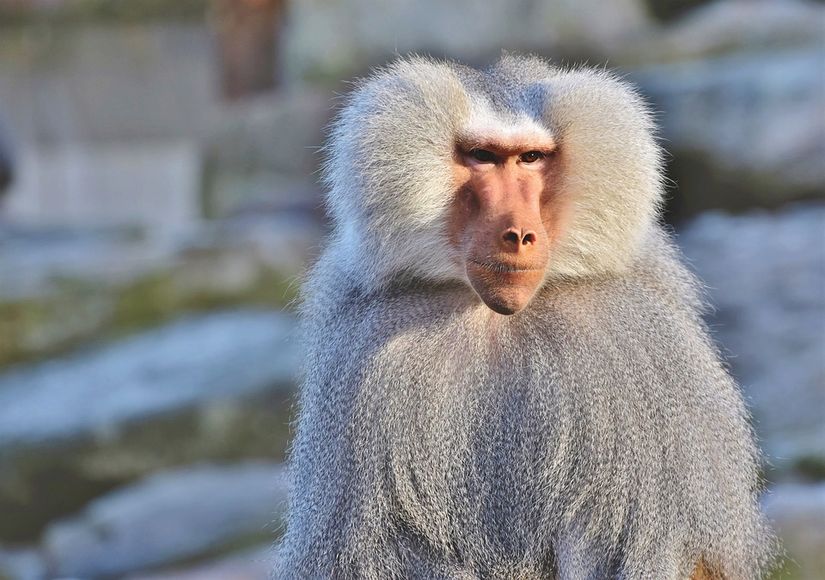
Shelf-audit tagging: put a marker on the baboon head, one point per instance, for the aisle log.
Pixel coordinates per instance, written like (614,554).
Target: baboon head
(503,178)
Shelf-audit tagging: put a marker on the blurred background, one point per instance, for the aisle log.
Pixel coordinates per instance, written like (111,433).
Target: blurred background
(159,203)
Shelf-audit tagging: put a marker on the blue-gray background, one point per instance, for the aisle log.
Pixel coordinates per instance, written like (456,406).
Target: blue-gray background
(159,203)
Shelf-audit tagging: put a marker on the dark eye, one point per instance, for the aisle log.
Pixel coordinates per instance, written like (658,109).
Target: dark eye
(531,156)
(483,156)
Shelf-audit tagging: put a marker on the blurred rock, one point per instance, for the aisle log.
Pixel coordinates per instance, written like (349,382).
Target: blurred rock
(124,125)
(254,564)
(331,41)
(21,564)
(61,288)
(103,84)
(216,387)
(33,259)
(765,274)
(168,518)
(107,122)
(135,183)
(266,152)
(281,133)
(217,355)
(744,130)
(735,25)
(798,513)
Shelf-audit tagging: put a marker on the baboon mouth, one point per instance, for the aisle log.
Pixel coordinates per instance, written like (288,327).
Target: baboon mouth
(504,268)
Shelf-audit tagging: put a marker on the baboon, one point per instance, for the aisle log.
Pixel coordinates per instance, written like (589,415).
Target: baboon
(507,374)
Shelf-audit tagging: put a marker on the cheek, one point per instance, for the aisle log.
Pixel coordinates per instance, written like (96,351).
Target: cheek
(457,223)
(552,218)
(555,211)
(463,212)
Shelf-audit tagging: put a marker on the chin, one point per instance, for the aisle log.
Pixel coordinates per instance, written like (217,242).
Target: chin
(507,301)
(505,309)
(506,293)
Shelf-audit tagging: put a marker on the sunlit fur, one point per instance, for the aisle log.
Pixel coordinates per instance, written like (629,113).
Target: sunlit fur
(593,435)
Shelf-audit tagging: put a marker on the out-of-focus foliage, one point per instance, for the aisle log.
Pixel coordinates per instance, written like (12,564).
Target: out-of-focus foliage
(668,10)
(18,12)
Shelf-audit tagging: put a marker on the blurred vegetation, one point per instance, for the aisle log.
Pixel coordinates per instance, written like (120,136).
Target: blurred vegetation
(67,476)
(786,569)
(810,468)
(668,10)
(108,313)
(74,11)
(15,13)
(693,170)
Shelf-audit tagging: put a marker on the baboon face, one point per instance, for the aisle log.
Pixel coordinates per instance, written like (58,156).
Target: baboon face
(504,179)
(506,214)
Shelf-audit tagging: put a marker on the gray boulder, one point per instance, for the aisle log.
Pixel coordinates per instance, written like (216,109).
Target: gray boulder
(61,288)
(109,84)
(254,564)
(215,387)
(21,564)
(765,274)
(265,152)
(168,518)
(331,40)
(744,130)
(728,26)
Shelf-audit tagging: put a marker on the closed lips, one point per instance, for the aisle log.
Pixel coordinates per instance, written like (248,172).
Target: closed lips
(500,267)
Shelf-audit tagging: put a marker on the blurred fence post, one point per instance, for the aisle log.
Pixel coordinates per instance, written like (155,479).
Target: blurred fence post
(247,36)
(6,161)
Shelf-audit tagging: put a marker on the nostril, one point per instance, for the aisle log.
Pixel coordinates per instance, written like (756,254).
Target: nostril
(511,236)
(516,237)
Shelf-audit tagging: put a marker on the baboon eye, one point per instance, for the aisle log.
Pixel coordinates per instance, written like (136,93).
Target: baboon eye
(531,156)
(483,156)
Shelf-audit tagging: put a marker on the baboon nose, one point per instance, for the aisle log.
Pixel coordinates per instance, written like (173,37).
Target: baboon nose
(515,239)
